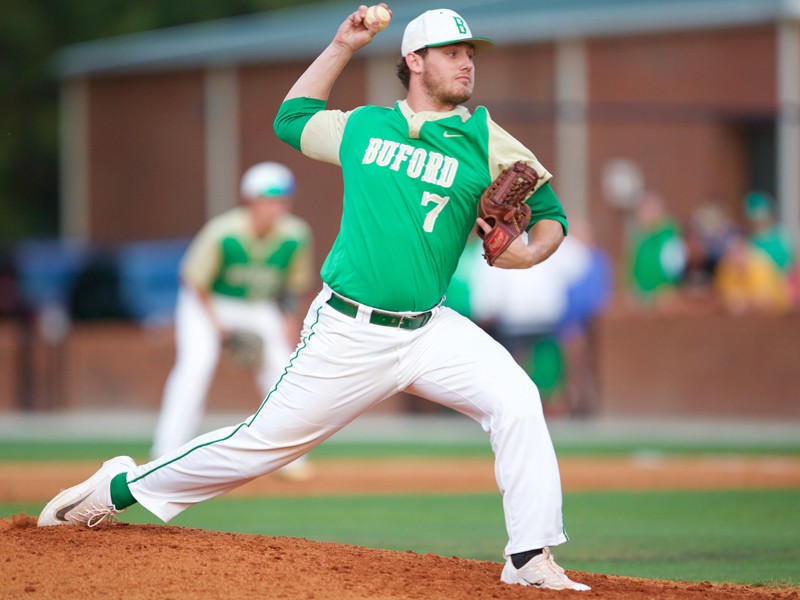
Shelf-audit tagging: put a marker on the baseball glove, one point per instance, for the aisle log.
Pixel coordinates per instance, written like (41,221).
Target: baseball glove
(243,348)
(503,208)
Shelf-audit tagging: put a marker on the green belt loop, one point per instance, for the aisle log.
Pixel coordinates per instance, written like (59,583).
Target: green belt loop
(343,306)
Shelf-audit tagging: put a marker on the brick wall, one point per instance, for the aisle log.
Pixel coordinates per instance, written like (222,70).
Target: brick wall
(113,366)
(709,365)
(705,365)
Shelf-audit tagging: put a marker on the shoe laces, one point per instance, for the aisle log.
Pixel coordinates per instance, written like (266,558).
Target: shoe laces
(94,515)
(547,568)
(551,563)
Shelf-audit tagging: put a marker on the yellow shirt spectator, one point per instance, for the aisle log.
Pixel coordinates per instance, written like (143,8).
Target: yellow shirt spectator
(748,281)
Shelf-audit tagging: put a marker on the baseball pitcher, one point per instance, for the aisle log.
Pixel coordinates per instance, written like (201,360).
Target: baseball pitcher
(414,174)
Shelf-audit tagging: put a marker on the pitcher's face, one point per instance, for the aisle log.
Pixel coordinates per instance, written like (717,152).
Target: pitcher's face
(448,73)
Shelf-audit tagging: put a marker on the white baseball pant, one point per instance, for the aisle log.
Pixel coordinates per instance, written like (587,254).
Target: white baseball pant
(197,349)
(342,367)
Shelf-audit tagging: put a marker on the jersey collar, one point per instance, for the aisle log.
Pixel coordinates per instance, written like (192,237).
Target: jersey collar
(417,119)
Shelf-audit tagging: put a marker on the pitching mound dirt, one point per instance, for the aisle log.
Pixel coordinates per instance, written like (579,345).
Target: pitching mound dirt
(174,563)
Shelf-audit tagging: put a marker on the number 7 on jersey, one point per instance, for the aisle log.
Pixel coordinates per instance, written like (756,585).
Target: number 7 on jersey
(430,218)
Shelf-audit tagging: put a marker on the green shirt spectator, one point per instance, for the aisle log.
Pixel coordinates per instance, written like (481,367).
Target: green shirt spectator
(657,252)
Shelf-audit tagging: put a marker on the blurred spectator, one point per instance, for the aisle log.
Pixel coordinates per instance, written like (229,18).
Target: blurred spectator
(656,254)
(47,275)
(522,308)
(747,280)
(95,294)
(13,308)
(766,233)
(47,271)
(543,315)
(587,296)
(709,230)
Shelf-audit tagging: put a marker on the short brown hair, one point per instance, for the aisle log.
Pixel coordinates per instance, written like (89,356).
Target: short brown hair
(403,72)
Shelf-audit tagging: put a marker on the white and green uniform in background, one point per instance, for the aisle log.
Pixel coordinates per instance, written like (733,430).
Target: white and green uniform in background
(245,276)
(412,184)
(227,259)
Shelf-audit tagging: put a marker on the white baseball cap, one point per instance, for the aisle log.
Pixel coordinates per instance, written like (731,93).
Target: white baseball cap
(440,27)
(267,180)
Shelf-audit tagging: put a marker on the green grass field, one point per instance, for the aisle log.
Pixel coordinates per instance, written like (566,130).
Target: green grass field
(100,450)
(735,536)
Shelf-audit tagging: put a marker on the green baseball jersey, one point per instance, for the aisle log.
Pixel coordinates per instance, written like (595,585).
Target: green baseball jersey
(412,182)
(228,259)
(656,258)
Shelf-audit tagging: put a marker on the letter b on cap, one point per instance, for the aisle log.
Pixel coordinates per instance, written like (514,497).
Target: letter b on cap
(460,25)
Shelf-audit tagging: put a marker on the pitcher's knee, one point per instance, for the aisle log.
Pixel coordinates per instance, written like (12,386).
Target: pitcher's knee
(518,412)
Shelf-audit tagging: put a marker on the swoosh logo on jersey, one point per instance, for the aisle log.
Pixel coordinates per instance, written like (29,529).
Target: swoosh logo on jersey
(447,134)
(61,513)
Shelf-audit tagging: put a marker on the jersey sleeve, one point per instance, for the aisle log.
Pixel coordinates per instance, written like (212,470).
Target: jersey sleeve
(202,259)
(504,151)
(300,271)
(545,205)
(304,124)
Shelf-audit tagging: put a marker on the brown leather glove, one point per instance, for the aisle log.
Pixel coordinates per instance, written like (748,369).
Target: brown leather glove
(243,348)
(503,208)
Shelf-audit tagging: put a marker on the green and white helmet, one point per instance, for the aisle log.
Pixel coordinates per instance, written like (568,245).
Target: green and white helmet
(267,180)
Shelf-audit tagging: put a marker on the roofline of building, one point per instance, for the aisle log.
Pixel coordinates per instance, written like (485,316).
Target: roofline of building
(291,34)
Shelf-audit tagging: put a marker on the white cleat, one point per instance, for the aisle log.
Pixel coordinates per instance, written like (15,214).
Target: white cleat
(542,572)
(89,503)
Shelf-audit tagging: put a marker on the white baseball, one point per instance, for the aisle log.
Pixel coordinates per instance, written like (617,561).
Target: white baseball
(377,15)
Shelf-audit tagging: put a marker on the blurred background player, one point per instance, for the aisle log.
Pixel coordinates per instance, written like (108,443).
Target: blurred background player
(246,270)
